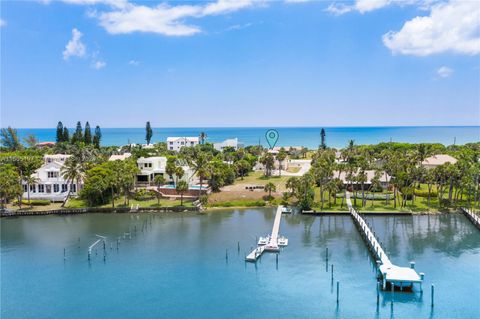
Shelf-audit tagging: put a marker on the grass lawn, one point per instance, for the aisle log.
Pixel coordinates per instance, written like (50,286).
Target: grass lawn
(258,177)
(119,202)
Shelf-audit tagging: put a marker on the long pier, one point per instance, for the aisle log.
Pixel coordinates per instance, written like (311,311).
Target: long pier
(474,218)
(273,242)
(391,274)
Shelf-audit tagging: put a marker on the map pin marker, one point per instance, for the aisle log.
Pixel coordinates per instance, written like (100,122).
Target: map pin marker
(272,137)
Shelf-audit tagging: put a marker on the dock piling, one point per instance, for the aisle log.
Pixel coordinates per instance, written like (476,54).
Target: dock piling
(338,290)
(392,289)
(332,271)
(64,254)
(378,293)
(433,293)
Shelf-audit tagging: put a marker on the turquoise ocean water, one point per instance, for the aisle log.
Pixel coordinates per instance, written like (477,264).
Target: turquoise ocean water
(175,266)
(289,136)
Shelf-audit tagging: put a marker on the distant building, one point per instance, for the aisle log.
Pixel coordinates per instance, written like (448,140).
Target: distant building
(119,157)
(49,183)
(154,166)
(437,160)
(176,143)
(233,143)
(45,144)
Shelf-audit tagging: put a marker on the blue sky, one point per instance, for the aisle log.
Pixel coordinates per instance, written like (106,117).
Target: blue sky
(245,63)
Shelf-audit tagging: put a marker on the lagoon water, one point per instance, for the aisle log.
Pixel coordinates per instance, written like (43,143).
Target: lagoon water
(289,136)
(177,267)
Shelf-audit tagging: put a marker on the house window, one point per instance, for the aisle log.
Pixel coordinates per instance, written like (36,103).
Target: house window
(73,188)
(56,188)
(191,143)
(41,188)
(25,188)
(32,188)
(64,188)
(171,148)
(52,174)
(171,143)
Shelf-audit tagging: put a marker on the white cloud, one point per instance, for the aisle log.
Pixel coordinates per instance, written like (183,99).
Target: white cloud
(450,27)
(239,26)
(3,23)
(97,65)
(364,6)
(339,8)
(74,47)
(134,62)
(127,17)
(297,1)
(444,72)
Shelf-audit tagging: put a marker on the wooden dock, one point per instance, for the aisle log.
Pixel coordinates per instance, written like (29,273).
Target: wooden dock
(474,218)
(273,241)
(392,274)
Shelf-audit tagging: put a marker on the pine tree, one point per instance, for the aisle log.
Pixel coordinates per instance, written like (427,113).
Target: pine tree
(149,132)
(87,137)
(78,135)
(60,132)
(97,137)
(66,135)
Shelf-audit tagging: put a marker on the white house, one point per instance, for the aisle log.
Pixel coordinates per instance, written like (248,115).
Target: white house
(437,160)
(232,142)
(154,166)
(384,178)
(49,183)
(176,143)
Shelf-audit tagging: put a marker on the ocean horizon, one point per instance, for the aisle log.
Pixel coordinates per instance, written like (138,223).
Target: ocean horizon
(288,136)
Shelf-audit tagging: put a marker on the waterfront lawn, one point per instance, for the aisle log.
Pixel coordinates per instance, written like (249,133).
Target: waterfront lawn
(119,202)
(419,205)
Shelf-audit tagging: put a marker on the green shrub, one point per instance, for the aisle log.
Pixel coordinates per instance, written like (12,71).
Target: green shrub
(36,202)
(144,195)
(239,203)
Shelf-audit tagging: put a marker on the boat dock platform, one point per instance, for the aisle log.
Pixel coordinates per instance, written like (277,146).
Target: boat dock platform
(394,275)
(474,218)
(272,242)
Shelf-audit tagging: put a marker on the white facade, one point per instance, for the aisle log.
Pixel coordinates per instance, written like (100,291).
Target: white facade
(176,143)
(154,166)
(49,183)
(232,142)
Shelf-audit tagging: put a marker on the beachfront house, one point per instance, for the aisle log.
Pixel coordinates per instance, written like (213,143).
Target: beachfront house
(384,179)
(437,160)
(154,166)
(176,143)
(49,183)
(228,143)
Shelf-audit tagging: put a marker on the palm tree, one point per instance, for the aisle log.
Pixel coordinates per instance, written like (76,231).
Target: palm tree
(281,156)
(270,187)
(72,172)
(200,164)
(159,181)
(30,180)
(202,137)
(181,188)
(179,172)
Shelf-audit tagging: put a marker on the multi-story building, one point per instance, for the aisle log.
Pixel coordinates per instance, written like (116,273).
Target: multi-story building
(176,143)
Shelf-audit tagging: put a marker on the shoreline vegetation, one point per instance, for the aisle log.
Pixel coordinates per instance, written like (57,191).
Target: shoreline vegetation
(393,178)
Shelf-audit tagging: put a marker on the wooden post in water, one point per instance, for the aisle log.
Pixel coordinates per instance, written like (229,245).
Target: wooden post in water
(338,289)
(332,271)
(433,293)
(378,292)
(392,287)
(238,246)
(64,257)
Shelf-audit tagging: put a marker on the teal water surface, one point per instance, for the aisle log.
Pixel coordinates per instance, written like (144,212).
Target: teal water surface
(176,266)
(288,136)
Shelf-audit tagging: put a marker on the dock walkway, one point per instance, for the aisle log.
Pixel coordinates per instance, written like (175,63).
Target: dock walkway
(474,218)
(392,274)
(274,242)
